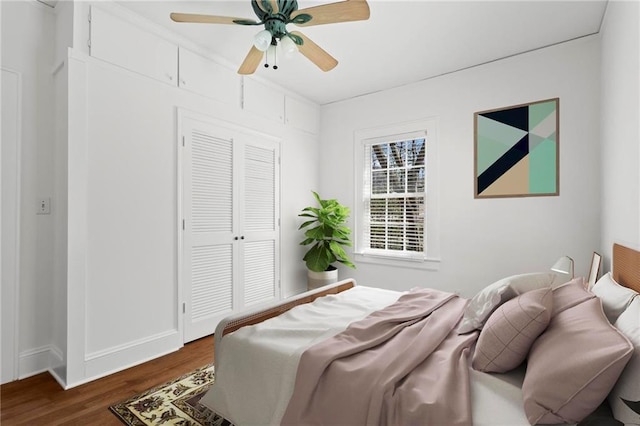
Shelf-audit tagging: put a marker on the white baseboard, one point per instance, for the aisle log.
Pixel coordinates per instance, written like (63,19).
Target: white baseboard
(99,364)
(112,360)
(38,360)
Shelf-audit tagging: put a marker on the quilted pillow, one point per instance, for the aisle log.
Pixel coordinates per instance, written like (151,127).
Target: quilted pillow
(488,299)
(615,298)
(573,365)
(625,397)
(511,330)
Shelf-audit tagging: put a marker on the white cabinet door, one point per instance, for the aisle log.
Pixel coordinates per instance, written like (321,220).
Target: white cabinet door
(302,115)
(205,77)
(122,43)
(263,100)
(230,193)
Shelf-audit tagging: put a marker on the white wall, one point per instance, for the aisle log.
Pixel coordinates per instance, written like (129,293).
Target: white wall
(125,157)
(620,132)
(27,48)
(483,240)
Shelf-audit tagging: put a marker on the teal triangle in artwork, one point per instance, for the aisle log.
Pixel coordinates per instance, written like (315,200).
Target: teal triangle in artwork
(546,127)
(538,112)
(488,152)
(494,140)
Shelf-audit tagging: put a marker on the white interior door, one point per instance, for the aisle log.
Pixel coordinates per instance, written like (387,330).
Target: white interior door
(10,202)
(210,230)
(260,222)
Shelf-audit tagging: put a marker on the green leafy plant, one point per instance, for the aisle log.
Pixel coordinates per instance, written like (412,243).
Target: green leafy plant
(327,232)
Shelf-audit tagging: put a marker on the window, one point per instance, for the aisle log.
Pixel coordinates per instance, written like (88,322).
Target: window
(394,195)
(396,211)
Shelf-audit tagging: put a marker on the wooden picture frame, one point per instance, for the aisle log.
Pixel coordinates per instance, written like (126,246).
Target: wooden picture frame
(594,271)
(516,150)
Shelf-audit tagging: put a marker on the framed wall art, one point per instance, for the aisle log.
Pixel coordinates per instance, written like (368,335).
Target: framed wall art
(594,271)
(516,150)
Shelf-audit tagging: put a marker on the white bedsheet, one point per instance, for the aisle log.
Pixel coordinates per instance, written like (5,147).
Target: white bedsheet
(496,399)
(256,365)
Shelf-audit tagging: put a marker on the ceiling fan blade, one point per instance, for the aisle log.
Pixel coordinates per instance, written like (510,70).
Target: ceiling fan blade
(315,53)
(205,19)
(251,62)
(344,11)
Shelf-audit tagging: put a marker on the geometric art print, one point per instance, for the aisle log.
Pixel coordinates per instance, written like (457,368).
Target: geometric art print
(516,150)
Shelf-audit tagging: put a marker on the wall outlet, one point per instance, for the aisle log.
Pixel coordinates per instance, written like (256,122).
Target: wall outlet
(44,206)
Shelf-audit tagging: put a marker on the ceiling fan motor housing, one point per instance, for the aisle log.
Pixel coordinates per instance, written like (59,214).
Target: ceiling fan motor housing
(276,26)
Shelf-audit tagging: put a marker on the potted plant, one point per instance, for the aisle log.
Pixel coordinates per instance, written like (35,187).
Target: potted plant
(327,234)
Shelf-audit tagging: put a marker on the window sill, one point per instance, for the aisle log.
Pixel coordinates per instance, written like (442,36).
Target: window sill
(429,264)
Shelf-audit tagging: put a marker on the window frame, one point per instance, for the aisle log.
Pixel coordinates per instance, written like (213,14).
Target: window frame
(424,128)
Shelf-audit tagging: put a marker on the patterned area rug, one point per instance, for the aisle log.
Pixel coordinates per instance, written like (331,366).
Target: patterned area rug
(174,403)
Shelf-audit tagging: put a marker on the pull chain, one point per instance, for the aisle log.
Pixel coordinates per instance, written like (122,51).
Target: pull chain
(275,57)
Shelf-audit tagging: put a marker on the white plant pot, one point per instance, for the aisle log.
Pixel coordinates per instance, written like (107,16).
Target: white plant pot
(319,279)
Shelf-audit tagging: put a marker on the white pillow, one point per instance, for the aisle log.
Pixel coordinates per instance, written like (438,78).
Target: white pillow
(628,386)
(615,298)
(488,299)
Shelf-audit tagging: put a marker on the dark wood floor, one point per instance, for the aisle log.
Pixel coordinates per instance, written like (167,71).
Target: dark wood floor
(39,400)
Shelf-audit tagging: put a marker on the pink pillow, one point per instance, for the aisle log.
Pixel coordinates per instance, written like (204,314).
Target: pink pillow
(489,298)
(511,330)
(573,365)
(570,294)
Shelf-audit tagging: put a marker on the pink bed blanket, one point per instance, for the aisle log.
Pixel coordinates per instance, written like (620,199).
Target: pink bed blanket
(402,365)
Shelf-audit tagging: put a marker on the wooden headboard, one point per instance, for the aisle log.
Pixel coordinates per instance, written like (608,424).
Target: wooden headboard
(626,266)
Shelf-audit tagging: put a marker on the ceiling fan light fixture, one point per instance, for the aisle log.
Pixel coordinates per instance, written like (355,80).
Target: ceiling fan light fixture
(288,46)
(262,40)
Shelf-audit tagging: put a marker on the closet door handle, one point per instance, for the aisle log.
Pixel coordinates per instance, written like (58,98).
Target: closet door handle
(235,238)
(242,238)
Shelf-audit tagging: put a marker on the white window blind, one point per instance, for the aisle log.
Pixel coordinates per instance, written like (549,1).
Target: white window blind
(394,195)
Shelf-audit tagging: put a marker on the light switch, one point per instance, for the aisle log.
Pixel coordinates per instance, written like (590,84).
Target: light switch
(44,205)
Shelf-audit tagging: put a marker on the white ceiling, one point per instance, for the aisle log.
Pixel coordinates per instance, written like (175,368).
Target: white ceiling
(402,42)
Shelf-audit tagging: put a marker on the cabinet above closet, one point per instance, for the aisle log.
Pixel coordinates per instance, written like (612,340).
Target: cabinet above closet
(122,43)
(127,44)
(205,77)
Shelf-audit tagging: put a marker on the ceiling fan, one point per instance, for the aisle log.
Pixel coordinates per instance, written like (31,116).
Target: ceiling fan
(275,15)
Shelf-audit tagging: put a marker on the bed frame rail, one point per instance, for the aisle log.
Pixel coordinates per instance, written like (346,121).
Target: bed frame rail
(255,316)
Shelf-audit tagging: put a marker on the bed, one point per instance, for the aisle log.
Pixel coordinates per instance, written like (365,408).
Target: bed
(263,358)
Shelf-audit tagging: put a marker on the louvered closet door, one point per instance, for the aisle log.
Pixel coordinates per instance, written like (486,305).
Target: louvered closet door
(231,243)
(259,221)
(209,247)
